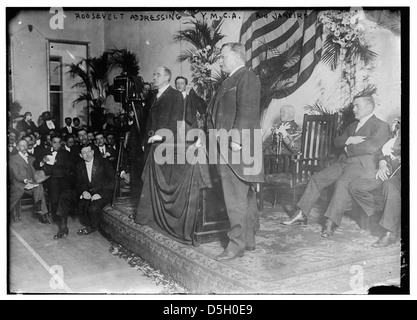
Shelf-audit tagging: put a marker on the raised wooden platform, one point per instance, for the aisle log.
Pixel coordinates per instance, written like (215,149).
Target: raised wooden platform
(293,260)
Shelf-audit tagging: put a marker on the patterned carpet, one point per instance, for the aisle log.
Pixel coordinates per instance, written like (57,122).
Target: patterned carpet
(288,260)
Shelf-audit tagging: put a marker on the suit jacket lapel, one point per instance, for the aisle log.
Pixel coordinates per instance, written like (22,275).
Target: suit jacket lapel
(93,170)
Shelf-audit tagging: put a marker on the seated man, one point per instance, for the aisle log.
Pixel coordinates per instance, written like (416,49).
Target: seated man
(362,142)
(106,151)
(22,180)
(68,128)
(94,186)
(386,181)
(287,135)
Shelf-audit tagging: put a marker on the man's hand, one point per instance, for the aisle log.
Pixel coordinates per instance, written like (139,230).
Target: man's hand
(95,197)
(355,140)
(383,171)
(235,146)
(283,129)
(198,143)
(86,195)
(154,138)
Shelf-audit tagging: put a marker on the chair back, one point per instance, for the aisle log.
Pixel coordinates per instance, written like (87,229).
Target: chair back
(317,144)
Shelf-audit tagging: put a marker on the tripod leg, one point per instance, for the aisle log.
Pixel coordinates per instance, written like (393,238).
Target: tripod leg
(117,177)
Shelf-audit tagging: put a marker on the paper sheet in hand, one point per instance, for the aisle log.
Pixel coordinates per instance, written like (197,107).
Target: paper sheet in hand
(51,159)
(29,185)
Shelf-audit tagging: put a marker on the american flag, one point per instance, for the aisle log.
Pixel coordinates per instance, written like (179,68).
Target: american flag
(268,34)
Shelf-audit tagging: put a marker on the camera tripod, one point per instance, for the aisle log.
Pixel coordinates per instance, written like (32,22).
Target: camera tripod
(120,155)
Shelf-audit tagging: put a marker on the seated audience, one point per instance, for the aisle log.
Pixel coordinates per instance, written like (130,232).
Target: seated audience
(94,190)
(76,123)
(111,141)
(68,128)
(106,151)
(48,126)
(31,144)
(362,142)
(26,124)
(23,180)
(11,143)
(385,181)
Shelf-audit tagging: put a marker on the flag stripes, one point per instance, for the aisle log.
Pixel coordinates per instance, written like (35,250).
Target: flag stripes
(267,34)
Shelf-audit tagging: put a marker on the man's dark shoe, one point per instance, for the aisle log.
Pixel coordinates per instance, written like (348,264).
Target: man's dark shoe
(387,239)
(227,255)
(329,229)
(298,218)
(43,219)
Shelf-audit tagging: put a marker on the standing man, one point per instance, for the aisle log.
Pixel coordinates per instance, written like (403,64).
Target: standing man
(362,142)
(106,151)
(194,106)
(237,108)
(59,165)
(165,111)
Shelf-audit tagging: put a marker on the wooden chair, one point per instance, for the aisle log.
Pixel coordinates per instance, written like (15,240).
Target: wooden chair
(290,173)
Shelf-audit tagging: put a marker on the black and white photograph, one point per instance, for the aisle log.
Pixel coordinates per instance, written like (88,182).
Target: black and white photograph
(236,151)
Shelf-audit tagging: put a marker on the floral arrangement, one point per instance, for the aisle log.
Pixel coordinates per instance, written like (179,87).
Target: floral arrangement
(346,37)
(201,67)
(343,25)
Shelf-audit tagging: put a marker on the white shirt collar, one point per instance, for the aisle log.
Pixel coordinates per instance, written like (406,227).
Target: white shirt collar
(24,156)
(162,90)
(184,94)
(67,148)
(364,119)
(234,70)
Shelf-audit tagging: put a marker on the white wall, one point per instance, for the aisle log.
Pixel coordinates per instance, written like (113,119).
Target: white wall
(152,42)
(28,52)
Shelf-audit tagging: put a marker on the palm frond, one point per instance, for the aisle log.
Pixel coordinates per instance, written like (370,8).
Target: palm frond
(358,51)
(84,96)
(200,34)
(186,55)
(125,59)
(275,74)
(331,52)
(317,108)
(367,91)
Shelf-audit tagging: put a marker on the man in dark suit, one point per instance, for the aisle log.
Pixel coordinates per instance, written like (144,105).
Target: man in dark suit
(194,106)
(58,164)
(26,124)
(22,180)
(68,129)
(94,186)
(11,143)
(82,140)
(385,181)
(48,125)
(236,109)
(362,142)
(105,150)
(166,108)
(165,111)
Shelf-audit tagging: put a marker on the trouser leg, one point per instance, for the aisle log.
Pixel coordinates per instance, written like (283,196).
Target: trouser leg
(361,192)
(318,182)
(238,209)
(341,199)
(391,216)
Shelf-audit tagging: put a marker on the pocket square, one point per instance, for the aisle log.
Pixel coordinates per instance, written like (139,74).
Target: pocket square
(231,89)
